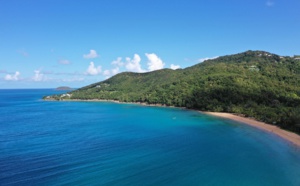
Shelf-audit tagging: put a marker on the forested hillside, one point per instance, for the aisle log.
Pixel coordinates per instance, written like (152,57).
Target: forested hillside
(254,83)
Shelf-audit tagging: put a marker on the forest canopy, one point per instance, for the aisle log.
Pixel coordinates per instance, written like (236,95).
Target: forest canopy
(256,84)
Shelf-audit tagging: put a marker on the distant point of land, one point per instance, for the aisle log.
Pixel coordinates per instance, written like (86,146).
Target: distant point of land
(64,88)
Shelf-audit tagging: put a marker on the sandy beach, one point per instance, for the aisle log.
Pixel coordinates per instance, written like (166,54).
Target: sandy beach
(290,136)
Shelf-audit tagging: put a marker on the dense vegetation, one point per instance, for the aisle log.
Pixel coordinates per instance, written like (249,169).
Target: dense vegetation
(254,83)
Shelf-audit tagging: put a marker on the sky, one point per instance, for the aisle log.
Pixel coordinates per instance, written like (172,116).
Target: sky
(51,43)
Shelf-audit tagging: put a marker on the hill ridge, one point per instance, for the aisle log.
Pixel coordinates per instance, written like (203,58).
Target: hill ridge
(253,83)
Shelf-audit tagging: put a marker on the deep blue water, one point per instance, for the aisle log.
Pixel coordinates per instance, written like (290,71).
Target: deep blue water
(97,143)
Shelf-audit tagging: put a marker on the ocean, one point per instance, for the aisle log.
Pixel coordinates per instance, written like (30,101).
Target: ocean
(102,143)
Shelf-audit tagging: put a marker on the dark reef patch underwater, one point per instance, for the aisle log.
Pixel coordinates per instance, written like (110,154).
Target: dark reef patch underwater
(98,143)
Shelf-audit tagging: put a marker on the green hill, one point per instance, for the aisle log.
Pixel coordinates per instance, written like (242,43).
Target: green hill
(253,83)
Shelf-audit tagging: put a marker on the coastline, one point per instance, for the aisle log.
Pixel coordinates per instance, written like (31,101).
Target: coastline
(284,134)
(113,101)
(287,135)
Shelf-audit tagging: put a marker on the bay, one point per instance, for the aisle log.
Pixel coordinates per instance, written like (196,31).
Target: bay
(102,143)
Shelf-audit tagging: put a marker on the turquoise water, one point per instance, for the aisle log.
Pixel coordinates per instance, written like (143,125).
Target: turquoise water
(95,143)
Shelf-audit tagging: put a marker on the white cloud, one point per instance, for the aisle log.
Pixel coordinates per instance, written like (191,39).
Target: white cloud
(154,62)
(106,73)
(14,77)
(38,76)
(93,70)
(206,58)
(134,64)
(118,62)
(115,71)
(270,3)
(92,54)
(64,61)
(112,72)
(174,67)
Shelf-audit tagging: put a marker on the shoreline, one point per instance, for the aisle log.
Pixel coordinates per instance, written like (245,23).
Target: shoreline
(114,101)
(284,134)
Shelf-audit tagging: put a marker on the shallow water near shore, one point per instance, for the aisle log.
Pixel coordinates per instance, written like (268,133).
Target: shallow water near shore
(101,143)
